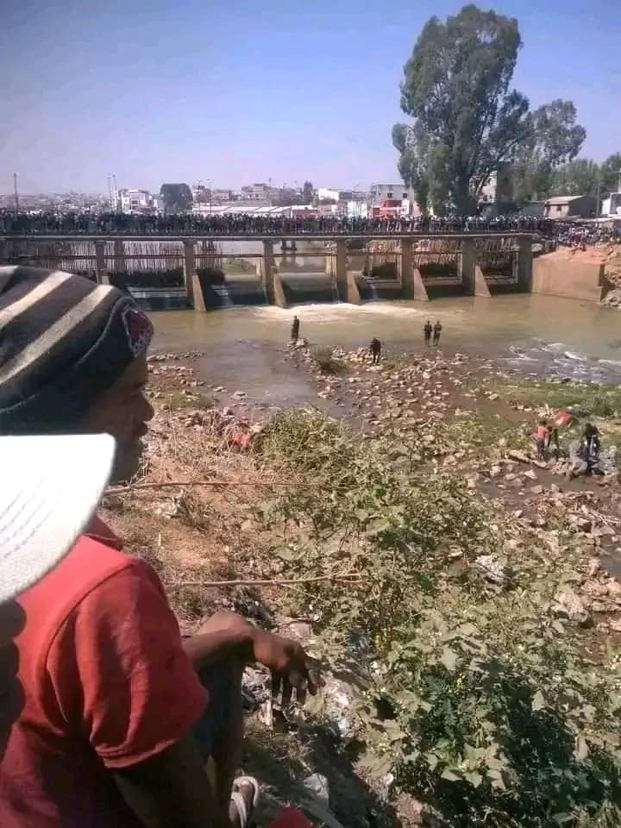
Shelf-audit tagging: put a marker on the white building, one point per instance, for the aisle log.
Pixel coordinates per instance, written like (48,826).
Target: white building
(396,192)
(137,201)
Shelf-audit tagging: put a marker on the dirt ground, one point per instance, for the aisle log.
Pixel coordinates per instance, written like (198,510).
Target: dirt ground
(191,516)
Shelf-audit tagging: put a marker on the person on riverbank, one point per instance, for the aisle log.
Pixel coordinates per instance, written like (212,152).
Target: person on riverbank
(542,439)
(437,332)
(295,329)
(590,447)
(376,351)
(116,727)
(427,330)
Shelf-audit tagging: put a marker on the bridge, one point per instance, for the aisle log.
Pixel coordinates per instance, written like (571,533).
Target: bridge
(165,271)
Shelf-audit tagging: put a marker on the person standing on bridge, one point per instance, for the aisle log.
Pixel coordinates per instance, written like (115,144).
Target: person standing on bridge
(437,331)
(427,330)
(295,329)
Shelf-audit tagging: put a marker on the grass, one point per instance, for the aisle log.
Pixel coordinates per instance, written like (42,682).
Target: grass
(583,400)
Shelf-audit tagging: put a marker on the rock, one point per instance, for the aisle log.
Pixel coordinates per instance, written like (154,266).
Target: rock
(584,524)
(493,397)
(495,471)
(494,569)
(537,490)
(530,474)
(567,602)
(317,785)
(613,588)
(593,567)
(519,456)
(239,394)
(555,489)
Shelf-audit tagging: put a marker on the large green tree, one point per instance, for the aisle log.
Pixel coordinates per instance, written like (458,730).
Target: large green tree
(578,177)
(467,118)
(610,173)
(556,139)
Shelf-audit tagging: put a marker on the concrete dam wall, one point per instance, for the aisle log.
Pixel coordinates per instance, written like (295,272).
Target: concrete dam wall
(560,276)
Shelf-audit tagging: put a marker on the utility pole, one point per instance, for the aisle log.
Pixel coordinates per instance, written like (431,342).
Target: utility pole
(16,195)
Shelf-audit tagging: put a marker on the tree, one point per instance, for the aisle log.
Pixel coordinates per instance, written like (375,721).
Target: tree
(307,192)
(456,86)
(610,172)
(468,120)
(177,197)
(578,177)
(556,139)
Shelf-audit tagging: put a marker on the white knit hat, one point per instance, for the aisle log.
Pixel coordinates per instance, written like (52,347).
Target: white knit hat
(49,489)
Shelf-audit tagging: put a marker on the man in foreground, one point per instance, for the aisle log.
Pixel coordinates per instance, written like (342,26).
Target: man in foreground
(43,508)
(108,734)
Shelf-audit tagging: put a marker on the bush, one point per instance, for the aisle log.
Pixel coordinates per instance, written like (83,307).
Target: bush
(327,364)
(477,698)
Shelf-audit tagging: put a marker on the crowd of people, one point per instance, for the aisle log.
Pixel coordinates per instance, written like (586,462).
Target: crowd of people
(232,224)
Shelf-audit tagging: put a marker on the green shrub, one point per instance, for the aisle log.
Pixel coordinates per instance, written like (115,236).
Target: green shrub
(476,697)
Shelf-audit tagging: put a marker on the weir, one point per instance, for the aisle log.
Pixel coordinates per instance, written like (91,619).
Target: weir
(190,272)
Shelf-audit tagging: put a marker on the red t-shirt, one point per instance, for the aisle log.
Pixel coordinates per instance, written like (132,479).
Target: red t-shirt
(107,685)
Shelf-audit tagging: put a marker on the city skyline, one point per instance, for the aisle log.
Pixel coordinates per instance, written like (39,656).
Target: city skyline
(157,92)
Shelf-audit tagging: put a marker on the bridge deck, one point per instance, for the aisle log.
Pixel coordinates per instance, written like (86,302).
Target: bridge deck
(156,237)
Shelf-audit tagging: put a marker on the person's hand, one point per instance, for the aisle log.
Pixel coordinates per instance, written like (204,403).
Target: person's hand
(292,670)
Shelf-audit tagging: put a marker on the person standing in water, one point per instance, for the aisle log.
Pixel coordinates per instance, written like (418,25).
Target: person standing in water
(427,330)
(376,351)
(437,330)
(295,329)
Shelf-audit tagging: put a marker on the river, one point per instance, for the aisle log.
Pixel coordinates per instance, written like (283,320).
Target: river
(537,335)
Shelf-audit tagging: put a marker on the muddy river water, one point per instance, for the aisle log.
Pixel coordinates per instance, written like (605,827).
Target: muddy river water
(540,335)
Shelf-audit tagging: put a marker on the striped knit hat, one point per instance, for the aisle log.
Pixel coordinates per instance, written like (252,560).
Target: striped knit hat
(63,341)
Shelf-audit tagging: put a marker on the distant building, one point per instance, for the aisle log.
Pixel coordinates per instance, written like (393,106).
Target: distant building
(498,189)
(398,192)
(578,206)
(611,206)
(339,196)
(259,192)
(137,201)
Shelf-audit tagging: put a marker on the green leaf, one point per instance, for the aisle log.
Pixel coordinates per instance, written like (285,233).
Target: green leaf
(450,775)
(538,701)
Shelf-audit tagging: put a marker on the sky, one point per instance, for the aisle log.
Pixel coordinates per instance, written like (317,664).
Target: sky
(231,93)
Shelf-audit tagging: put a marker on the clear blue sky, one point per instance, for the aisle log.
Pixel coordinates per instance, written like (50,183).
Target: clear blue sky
(246,90)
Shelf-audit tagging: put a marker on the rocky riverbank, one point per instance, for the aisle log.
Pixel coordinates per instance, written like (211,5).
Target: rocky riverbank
(419,514)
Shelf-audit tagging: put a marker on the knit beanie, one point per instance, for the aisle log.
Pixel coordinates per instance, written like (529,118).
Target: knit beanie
(63,341)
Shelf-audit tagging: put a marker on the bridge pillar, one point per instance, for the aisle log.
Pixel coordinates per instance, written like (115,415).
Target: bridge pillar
(411,280)
(525,263)
(193,289)
(100,263)
(346,286)
(467,265)
(271,279)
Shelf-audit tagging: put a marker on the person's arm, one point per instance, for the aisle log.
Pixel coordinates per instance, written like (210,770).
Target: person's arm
(227,635)
(123,680)
(171,789)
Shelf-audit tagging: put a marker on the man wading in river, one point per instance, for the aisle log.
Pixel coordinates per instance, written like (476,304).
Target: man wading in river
(117,726)
(427,331)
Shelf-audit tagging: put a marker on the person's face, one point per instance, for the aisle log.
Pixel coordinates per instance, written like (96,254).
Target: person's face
(123,411)
(12,620)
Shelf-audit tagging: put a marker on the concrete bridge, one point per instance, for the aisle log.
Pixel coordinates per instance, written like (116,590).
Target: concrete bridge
(474,264)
